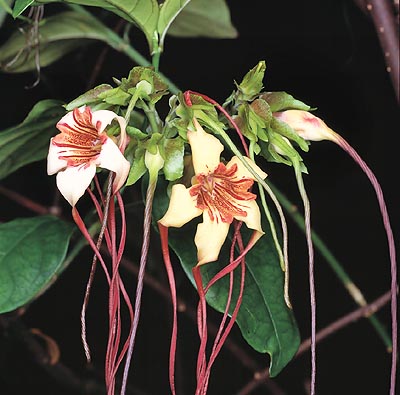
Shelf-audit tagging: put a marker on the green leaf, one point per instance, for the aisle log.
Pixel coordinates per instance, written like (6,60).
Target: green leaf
(32,251)
(29,141)
(265,321)
(5,9)
(20,6)
(142,13)
(58,35)
(204,18)
(169,10)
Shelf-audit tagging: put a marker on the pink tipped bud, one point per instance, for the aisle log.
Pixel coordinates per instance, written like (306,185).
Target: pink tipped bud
(305,124)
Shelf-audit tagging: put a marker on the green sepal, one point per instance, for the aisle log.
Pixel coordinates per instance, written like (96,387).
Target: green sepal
(254,119)
(138,167)
(172,150)
(252,83)
(281,101)
(115,96)
(141,73)
(285,130)
(135,133)
(90,97)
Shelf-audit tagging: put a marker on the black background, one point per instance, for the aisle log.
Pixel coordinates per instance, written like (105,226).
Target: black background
(325,53)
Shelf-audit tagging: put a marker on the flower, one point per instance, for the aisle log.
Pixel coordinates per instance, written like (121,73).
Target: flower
(305,124)
(83,145)
(220,192)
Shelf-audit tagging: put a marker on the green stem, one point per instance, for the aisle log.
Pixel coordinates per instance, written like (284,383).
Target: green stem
(156,53)
(152,117)
(120,45)
(131,106)
(282,259)
(335,265)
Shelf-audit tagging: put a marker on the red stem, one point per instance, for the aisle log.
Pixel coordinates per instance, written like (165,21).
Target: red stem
(171,279)
(219,341)
(202,327)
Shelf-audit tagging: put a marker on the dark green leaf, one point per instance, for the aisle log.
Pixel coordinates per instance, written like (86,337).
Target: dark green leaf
(5,9)
(32,251)
(20,6)
(143,13)
(204,18)
(58,35)
(265,321)
(29,141)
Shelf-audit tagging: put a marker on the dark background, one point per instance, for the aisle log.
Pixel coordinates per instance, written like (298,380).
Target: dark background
(325,53)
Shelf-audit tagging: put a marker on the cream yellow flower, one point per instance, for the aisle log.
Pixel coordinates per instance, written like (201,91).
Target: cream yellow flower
(220,192)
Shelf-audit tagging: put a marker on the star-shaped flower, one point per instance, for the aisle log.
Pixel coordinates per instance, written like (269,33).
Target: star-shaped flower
(220,192)
(82,146)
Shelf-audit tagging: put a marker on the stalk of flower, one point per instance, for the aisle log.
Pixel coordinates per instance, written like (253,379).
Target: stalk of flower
(313,128)
(220,193)
(74,154)
(154,163)
(282,251)
(284,147)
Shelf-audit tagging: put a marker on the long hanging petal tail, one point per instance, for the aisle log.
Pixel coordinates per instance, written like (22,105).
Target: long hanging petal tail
(339,140)
(171,279)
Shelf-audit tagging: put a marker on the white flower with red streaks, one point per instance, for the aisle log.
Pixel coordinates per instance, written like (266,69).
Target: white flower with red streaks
(82,146)
(220,192)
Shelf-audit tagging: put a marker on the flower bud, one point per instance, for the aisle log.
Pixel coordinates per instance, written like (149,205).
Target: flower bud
(305,124)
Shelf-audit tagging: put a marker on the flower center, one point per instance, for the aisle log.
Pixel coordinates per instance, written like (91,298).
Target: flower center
(222,194)
(81,139)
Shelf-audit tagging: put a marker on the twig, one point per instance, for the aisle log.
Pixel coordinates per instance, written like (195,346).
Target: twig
(102,57)
(385,18)
(260,377)
(57,370)
(24,201)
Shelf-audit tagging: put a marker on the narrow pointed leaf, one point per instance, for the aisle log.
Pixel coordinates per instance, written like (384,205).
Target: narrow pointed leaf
(29,141)
(32,251)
